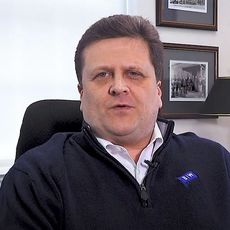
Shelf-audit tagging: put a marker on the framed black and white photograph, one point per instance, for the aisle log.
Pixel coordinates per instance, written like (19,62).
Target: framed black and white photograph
(190,72)
(188,80)
(189,5)
(193,14)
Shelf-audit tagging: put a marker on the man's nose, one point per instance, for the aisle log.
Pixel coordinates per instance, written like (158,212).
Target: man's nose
(118,86)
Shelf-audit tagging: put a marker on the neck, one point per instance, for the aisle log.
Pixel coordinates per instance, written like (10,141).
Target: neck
(134,153)
(134,148)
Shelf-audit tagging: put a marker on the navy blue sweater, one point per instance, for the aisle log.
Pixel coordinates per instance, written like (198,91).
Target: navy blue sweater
(72,183)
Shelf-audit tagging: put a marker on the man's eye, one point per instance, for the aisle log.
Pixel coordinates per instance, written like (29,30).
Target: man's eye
(103,74)
(134,74)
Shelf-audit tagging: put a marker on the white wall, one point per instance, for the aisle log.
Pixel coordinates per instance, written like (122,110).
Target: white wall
(37,43)
(215,129)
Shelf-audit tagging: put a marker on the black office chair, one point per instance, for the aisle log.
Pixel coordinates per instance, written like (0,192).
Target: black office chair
(44,118)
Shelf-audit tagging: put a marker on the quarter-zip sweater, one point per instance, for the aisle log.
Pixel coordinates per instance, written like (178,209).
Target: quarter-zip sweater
(71,183)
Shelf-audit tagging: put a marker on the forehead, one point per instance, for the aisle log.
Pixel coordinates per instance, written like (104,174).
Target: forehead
(118,40)
(112,48)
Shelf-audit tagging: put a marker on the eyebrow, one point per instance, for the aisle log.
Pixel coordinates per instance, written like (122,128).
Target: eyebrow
(109,67)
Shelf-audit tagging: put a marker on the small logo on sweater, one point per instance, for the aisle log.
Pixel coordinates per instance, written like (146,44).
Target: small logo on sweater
(186,178)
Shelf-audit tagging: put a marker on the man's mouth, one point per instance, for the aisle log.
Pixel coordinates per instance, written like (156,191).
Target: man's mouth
(122,107)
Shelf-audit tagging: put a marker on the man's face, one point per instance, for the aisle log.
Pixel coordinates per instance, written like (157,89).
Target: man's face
(120,97)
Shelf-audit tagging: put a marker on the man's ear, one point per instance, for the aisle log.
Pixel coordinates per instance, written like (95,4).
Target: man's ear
(80,90)
(159,92)
(159,88)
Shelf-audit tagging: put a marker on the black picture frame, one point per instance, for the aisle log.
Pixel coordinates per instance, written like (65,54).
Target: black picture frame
(176,13)
(190,72)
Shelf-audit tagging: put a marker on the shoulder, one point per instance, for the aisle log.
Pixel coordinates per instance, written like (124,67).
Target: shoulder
(191,143)
(206,154)
(190,138)
(45,158)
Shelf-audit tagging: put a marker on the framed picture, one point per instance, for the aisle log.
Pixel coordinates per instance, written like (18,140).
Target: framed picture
(190,72)
(193,14)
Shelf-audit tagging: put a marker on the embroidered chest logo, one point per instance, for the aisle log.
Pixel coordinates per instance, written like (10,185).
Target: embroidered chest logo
(186,178)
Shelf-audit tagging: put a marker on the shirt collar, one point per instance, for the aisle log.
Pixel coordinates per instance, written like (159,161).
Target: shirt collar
(157,136)
(138,170)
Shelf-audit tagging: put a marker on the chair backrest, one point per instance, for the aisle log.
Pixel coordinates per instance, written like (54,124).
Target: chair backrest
(44,118)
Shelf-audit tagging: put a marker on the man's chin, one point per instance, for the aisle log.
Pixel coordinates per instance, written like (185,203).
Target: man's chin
(122,133)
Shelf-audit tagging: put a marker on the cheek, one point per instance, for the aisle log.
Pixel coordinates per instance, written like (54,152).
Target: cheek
(85,100)
(87,106)
(91,99)
(160,102)
(154,102)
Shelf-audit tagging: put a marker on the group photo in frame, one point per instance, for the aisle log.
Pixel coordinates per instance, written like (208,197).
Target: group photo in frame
(193,14)
(190,72)
(188,80)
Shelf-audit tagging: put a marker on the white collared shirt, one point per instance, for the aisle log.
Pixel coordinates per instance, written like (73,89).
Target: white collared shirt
(139,169)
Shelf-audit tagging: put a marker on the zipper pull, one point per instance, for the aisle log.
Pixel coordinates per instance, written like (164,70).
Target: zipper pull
(144,195)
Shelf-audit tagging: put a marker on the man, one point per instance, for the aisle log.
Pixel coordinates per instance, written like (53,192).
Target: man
(126,169)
